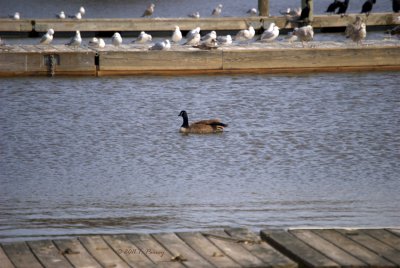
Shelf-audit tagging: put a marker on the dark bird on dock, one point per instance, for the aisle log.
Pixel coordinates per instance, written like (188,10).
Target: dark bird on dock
(332,7)
(396,5)
(367,6)
(305,12)
(343,7)
(201,127)
(149,11)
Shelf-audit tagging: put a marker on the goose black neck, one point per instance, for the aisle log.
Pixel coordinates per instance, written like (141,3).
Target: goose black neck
(185,120)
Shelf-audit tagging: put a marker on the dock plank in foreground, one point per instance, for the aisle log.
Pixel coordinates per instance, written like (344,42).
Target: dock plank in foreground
(232,247)
(257,57)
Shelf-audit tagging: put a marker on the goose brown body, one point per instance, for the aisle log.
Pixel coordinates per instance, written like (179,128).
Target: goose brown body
(201,127)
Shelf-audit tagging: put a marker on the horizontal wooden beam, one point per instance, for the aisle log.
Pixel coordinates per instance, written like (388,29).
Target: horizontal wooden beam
(167,24)
(253,58)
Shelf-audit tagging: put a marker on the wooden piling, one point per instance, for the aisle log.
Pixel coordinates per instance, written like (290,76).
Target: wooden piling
(263,7)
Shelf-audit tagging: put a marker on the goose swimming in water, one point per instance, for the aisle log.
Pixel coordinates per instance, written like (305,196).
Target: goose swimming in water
(201,127)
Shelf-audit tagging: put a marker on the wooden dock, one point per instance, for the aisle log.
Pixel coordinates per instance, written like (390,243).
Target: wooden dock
(167,24)
(278,57)
(232,247)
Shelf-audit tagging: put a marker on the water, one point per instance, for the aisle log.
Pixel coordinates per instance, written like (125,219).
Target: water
(170,8)
(103,155)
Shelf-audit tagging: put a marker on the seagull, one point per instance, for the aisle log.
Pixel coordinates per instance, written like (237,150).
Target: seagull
(332,7)
(245,35)
(356,31)
(343,7)
(149,11)
(97,42)
(191,33)
(217,11)
(76,40)
(82,10)
(61,15)
(252,11)
(176,35)
(77,16)
(195,15)
(47,37)
(211,44)
(194,40)
(143,38)
(208,38)
(270,34)
(116,39)
(396,5)
(16,16)
(163,45)
(367,6)
(304,34)
(224,40)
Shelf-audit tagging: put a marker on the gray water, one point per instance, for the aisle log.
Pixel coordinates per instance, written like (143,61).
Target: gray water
(164,8)
(103,155)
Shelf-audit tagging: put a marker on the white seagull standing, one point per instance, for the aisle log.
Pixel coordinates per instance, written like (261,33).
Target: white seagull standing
(194,40)
(143,38)
(252,12)
(97,42)
(245,35)
(162,45)
(304,34)
(195,15)
(16,16)
(191,33)
(149,11)
(224,40)
(61,15)
(209,37)
(76,40)
(270,34)
(116,39)
(82,10)
(217,11)
(176,35)
(47,37)
(77,16)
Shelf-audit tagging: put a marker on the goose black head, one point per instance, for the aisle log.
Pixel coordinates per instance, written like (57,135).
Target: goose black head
(182,113)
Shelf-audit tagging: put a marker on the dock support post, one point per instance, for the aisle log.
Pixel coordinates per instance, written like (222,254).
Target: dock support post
(263,7)
(311,5)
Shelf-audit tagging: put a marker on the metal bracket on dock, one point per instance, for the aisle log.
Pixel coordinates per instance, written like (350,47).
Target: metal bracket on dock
(51,61)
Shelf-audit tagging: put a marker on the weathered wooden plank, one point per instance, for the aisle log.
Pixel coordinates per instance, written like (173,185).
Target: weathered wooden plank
(11,25)
(153,250)
(20,255)
(296,249)
(373,244)
(355,249)
(328,249)
(167,24)
(394,231)
(48,254)
(259,248)
(207,250)
(4,260)
(310,58)
(160,60)
(233,249)
(76,254)
(99,249)
(384,236)
(132,255)
(180,250)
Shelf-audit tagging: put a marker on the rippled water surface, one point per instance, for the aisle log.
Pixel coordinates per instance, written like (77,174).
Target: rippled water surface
(103,155)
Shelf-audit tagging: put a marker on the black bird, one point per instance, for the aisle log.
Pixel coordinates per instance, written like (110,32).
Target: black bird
(343,7)
(305,12)
(332,7)
(367,6)
(396,6)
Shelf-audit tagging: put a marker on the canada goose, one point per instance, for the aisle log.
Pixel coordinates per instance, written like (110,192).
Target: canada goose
(201,127)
